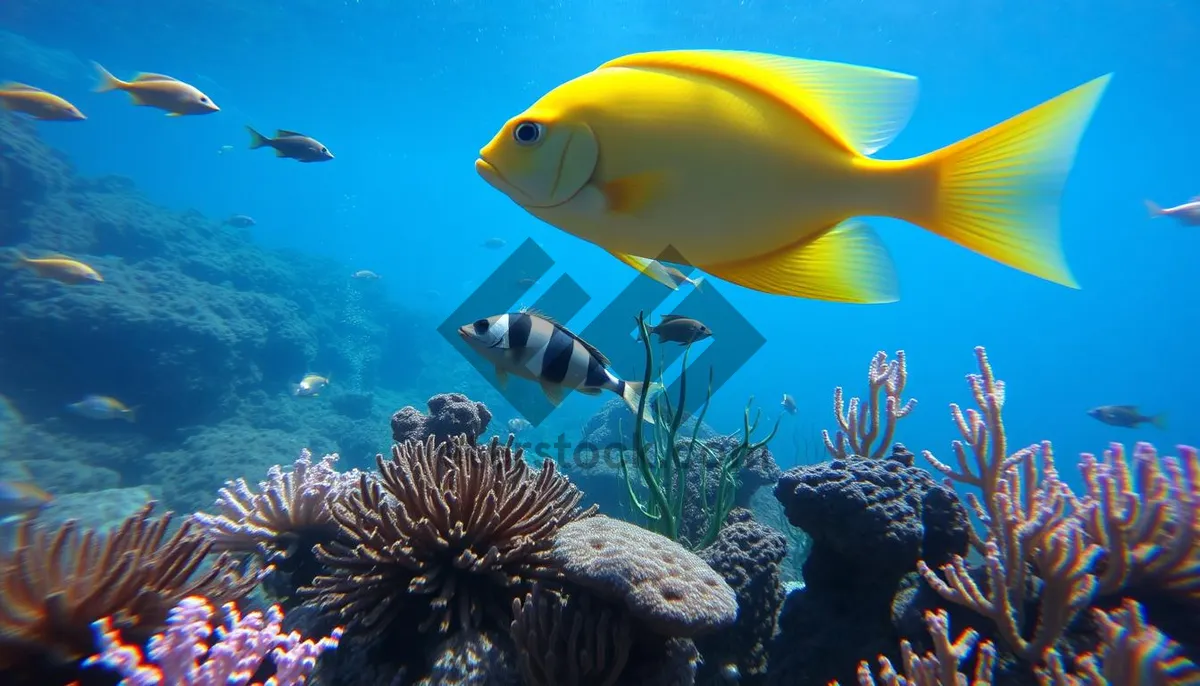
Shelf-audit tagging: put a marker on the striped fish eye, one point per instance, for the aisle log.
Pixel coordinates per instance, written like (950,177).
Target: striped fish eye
(480,326)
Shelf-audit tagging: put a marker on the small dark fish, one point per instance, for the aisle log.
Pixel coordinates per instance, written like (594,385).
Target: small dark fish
(495,243)
(21,498)
(526,282)
(536,348)
(1127,416)
(240,221)
(297,146)
(788,404)
(679,329)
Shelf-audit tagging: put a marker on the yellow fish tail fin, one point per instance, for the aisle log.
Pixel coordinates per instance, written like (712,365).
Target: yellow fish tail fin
(1154,210)
(19,259)
(108,82)
(1159,421)
(130,414)
(632,394)
(998,191)
(847,263)
(257,140)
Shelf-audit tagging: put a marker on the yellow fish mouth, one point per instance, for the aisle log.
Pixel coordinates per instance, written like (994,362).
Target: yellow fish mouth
(492,175)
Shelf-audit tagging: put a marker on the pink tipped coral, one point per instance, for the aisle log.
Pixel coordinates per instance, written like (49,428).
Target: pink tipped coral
(859,425)
(183,658)
(286,504)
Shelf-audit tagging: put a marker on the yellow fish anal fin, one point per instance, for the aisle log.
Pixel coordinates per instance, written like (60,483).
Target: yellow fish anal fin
(651,268)
(848,263)
(863,108)
(629,194)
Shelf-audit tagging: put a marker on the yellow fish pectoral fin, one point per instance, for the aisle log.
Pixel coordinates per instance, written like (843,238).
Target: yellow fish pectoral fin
(651,268)
(848,263)
(862,107)
(629,194)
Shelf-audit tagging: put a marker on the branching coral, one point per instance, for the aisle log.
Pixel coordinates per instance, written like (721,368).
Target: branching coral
(940,667)
(1028,520)
(468,527)
(56,582)
(1042,543)
(183,656)
(1145,516)
(859,425)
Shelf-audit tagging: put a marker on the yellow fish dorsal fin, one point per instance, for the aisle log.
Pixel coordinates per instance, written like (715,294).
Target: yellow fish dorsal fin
(863,108)
(651,268)
(14,87)
(150,76)
(848,263)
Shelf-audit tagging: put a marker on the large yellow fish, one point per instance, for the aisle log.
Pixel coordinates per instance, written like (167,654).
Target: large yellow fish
(753,167)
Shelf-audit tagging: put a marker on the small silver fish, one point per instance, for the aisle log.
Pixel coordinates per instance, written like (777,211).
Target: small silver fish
(517,424)
(1187,214)
(102,407)
(21,498)
(240,221)
(224,149)
(788,404)
(310,386)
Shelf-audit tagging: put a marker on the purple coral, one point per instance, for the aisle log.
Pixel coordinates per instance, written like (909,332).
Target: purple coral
(180,651)
(450,415)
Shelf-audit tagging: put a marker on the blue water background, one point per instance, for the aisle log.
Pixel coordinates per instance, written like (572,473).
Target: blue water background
(404,94)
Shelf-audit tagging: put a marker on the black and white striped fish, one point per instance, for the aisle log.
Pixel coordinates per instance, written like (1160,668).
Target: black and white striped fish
(536,348)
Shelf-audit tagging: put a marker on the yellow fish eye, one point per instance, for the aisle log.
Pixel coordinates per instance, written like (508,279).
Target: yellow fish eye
(528,132)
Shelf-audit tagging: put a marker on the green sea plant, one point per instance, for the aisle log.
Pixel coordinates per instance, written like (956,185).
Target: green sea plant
(663,462)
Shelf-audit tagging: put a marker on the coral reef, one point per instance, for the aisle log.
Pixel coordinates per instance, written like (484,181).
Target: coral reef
(290,513)
(748,556)
(184,658)
(1072,590)
(195,325)
(447,532)
(57,581)
(573,643)
(663,585)
(450,415)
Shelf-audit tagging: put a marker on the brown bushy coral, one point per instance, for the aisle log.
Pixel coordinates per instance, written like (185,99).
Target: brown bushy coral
(468,527)
(57,581)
